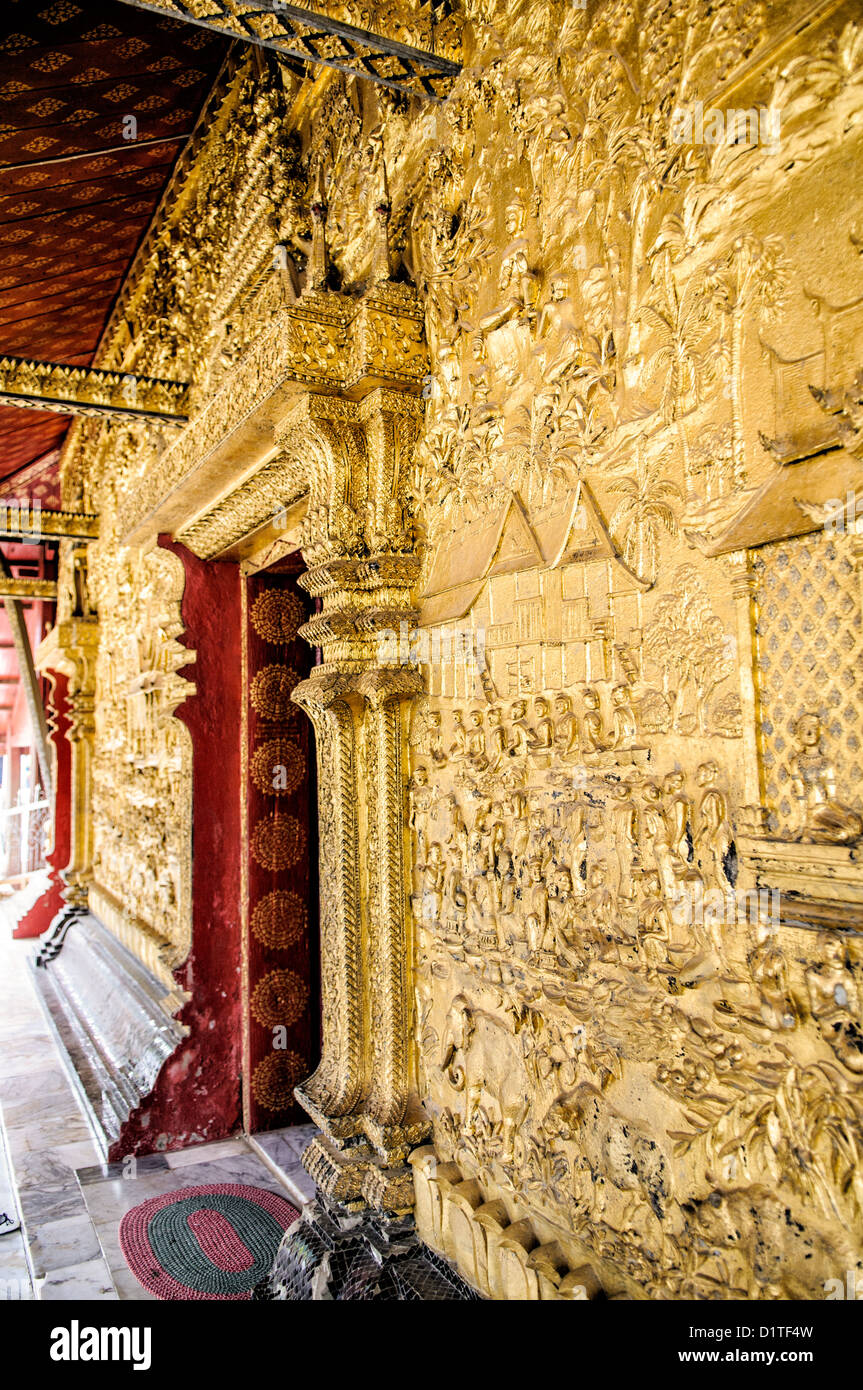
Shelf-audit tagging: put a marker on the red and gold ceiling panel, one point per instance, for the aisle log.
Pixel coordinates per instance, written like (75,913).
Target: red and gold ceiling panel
(96,102)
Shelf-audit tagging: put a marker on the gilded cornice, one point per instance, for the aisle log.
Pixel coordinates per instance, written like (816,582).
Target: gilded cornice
(341,348)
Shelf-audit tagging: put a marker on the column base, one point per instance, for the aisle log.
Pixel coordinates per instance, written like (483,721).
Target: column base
(353,1175)
(337,1254)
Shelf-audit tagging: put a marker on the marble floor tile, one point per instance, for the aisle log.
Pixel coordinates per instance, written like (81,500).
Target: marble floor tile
(245,1169)
(84,1154)
(48,1082)
(47,1134)
(58,1244)
(225,1148)
(23,1058)
(128,1288)
(44,1170)
(36,1108)
(109,1201)
(89,1281)
(42,1206)
(15,1283)
(295,1139)
(284,1149)
(125,1171)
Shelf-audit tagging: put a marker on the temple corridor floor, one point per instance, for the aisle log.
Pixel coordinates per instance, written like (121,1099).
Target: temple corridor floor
(70,1202)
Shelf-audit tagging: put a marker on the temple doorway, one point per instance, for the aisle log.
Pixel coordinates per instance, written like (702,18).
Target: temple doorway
(280,938)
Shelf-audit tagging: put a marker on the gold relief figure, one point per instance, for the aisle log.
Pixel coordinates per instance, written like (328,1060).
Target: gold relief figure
(476,740)
(475,846)
(481,1057)
(458,747)
(455,898)
(483,411)
(761,1003)
(520,732)
(449,370)
(834,999)
(770,977)
(521,830)
(420,800)
(559,337)
(678,816)
(565,729)
(479,891)
(624,825)
(508,885)
(435,738)
(497,842)
(433,878)
(576,826)
(713,835)
(656,835)
(562,910)
(592,734)
(600,903)
(541,840)
(542,735)
(459,837)
(623,726)
(822,819)
(516,281)
(654,931)
(495,739)
(536,922)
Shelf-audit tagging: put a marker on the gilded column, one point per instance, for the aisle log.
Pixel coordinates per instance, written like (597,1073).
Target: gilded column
(71,647)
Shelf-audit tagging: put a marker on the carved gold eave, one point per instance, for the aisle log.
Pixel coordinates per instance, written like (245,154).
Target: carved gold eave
(398,53)
(222,480)
(89,391)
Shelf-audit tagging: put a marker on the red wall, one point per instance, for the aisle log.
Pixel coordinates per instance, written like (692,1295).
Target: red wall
(197,1096)
(44,910)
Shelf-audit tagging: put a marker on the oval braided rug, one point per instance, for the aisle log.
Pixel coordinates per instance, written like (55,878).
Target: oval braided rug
(212,1242)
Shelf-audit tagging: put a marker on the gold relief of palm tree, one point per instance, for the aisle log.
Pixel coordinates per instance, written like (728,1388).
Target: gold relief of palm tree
(752,276)
(683,326)
(644,512)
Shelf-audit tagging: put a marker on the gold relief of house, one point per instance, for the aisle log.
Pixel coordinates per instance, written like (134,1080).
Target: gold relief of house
(575,617)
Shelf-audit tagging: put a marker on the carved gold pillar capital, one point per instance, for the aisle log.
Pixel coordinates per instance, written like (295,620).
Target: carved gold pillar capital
(382,686)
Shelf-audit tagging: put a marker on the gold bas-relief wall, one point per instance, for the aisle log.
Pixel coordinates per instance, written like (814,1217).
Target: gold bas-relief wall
(636,773)
(630,805)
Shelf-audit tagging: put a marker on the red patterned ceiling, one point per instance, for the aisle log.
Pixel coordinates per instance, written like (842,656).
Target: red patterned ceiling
(75,194)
